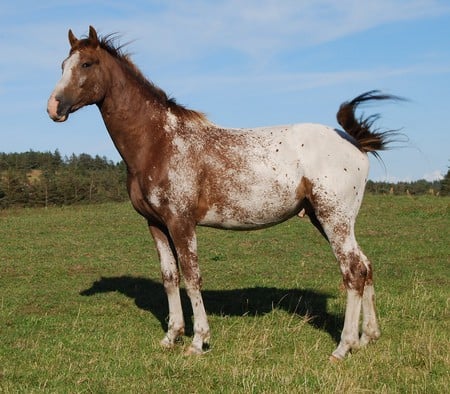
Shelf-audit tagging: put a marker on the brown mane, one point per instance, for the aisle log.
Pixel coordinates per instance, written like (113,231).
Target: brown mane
(108,43)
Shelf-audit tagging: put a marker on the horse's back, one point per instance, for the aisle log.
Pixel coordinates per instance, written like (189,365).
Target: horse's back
(322,153)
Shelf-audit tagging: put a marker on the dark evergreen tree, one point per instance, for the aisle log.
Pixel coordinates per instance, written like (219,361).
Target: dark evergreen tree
(445,184)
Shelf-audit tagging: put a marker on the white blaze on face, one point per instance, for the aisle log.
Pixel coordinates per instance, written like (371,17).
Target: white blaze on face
(52,107)
(69,64)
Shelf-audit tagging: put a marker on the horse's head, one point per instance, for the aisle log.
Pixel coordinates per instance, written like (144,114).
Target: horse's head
(83,79)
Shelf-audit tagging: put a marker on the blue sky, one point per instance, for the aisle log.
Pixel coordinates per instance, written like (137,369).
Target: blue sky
(245,64)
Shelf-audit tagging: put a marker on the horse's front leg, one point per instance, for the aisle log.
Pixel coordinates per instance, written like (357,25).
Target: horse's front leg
(185,240)
(171,280)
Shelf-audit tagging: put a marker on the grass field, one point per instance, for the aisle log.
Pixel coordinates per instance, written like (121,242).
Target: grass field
(82,308)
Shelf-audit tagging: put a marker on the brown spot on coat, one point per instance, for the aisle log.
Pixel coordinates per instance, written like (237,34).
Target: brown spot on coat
(304,189)
(355,273)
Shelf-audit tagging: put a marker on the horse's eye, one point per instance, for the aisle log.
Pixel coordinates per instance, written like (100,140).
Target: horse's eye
(86,65)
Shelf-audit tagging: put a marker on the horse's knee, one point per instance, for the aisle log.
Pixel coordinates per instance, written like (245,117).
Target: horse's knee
(192,277)
(171,280)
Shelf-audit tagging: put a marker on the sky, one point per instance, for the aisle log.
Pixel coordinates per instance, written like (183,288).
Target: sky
(245,64)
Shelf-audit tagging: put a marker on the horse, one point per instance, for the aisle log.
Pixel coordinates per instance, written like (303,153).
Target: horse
(184,171)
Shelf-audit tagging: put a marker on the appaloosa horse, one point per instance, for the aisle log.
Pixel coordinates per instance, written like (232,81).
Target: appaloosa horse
(184,171)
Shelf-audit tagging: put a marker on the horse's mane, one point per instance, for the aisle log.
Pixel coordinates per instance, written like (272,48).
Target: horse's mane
(108,43)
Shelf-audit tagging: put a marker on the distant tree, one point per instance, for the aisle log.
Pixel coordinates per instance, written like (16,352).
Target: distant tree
(445,184)
(15,188)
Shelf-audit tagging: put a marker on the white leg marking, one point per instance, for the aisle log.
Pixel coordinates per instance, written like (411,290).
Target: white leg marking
(171,280)
(201,326)
(350,332)
(370,330)
(191,271)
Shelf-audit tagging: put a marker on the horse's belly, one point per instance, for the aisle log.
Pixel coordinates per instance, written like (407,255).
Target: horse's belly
(251,212)
(258,189)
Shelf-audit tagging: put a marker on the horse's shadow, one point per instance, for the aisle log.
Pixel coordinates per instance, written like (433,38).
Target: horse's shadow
(149,295)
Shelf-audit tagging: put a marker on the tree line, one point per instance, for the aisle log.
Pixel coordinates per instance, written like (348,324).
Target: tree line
(419,187)
(41,179)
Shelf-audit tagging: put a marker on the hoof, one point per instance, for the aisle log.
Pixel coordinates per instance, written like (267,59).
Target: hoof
(334,359)
(193,351)
(366,339)
(166,343)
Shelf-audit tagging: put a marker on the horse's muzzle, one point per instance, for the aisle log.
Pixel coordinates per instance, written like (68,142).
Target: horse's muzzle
(55,110)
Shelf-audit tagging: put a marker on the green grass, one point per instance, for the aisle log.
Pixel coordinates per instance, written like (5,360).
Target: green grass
(82,308)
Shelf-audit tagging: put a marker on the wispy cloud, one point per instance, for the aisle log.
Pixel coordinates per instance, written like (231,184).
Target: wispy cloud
(289,82)
(434,176)
(177,29)
(262,28)
(167,32)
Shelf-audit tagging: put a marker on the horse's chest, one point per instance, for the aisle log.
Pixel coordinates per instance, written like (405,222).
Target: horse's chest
(144,201)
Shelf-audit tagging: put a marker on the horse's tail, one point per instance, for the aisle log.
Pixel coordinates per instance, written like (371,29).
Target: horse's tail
(369,139)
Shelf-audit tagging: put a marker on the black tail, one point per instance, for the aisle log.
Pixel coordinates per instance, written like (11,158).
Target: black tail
(369,139)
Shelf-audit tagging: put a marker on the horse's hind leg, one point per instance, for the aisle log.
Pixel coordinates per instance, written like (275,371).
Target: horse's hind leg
(357,273)
(370,330)
(353,273)
(357,276)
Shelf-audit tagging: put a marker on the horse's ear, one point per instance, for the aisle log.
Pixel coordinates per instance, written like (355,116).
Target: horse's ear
(93,36)
(72,39)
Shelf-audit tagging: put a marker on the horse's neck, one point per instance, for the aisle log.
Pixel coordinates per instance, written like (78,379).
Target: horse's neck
(133,121)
